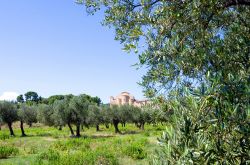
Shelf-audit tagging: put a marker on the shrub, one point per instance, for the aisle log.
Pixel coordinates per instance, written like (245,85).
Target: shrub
(49,155)
(135,150)
(4,136)
(6,151)
(72,144)
(146,133)
(104,158)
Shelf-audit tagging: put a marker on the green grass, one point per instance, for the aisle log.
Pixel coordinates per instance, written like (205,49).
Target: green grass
(48,145)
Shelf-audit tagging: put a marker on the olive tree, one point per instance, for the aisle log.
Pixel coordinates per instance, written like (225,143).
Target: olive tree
(141,116)
(126,113)
(79,107)
(45,114)
(95,116)
(118,114)
(8,114)
(105,112)
(63,114)
(26,114)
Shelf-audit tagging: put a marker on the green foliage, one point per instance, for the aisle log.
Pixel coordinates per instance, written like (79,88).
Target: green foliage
(4,136)
(20,99)
(31,96)
(51,156)
(8,112)
(92,158)
(54,98)
(72,144)
(136,150)
(7,151)
(61,112)
(44,114)
(201,45)
(27,114)
(78,152)
(180,40)
(95,116)
(201,133)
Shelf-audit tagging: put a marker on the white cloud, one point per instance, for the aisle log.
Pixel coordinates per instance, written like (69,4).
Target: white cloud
(9,96)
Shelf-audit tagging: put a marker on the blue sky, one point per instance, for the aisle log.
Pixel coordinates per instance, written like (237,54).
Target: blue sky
(54,47)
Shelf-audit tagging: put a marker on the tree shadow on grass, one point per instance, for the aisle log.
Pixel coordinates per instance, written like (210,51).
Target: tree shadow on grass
(92,136)
(130,132)
(38,135)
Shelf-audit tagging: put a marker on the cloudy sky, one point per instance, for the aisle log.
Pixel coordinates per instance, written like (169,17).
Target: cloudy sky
(54,47)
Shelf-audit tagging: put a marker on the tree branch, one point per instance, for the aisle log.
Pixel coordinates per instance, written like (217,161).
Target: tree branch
(237,2)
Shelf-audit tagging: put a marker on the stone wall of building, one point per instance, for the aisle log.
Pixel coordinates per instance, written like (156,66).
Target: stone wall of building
(126,98)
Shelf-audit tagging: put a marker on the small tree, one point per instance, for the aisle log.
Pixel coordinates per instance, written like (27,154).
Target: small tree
(79,107)
(27,114)
(32,97)
(95,117)
(63,114)
(140,117)
(20,99)
(126,114)
(8,114)
(44,114)
(115,116)
(105,112)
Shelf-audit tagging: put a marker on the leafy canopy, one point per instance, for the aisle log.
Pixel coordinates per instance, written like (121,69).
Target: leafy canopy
(181,41)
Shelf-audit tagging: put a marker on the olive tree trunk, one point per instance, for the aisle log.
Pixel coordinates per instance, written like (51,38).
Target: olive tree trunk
(142,126)
(60,128)
(22,129)
(78,129)
(97,128)
(115,123)
(71,130)
(11,130)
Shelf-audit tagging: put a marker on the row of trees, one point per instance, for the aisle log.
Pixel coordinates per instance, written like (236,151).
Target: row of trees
(82,110)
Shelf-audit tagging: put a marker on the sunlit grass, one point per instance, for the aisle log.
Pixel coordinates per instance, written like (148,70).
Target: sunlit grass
(48,145)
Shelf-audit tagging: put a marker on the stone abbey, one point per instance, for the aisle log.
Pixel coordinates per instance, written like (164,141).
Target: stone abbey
(127,98)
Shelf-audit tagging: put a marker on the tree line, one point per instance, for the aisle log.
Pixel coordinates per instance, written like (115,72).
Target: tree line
(81,111)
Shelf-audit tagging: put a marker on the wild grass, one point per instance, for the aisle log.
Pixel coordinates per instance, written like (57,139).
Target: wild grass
(48,145)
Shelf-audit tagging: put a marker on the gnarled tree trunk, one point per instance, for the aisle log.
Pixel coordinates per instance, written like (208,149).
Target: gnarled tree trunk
(115,123)
(22,129)
(78,129)
(71,130)
(142,126)
(11,130)
(60,128)
(97,128)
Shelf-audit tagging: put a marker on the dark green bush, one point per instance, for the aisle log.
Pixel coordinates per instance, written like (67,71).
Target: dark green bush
(146,133)
(7,151)
(4,136)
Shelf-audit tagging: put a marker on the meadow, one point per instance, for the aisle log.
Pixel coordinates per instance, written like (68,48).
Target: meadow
(48,145)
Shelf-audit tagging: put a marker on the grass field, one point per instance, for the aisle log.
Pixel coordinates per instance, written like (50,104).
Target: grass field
(48,145)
